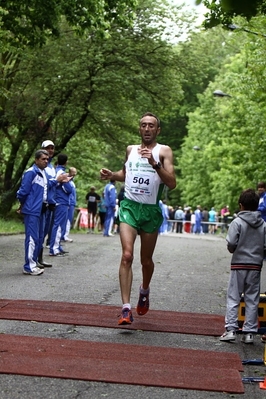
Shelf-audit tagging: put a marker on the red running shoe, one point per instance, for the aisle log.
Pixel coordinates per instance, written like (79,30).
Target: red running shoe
(143,304)
(126,317)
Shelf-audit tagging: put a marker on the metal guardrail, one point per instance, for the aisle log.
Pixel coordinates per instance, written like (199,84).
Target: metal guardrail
(211,223)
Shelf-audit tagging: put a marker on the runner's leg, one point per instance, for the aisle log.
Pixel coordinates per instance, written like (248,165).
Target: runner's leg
(127,237)
(148,242)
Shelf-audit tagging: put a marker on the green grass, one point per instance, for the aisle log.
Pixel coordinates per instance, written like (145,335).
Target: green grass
(15,226)
(11,226)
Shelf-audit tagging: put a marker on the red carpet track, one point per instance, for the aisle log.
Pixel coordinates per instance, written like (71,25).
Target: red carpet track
(120,363)
(107,316)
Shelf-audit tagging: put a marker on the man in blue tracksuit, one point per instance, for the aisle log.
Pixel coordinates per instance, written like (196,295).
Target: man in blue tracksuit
(62,197)
(110,203)
(198,219)
(33,196)
(49,146)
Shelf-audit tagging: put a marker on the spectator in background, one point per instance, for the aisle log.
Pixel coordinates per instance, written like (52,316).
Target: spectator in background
(110,204)
(197,229)
(101,212)
(261,187)
(116,219)
(187,221)
(225,212)
(205,219)
(179,217)
(49,146)
(72,205)
(120,197)
(246,241)
(212,220)
(193,220)
(171,223)
(165,213)
(92,199)
(62,197)
(33,195)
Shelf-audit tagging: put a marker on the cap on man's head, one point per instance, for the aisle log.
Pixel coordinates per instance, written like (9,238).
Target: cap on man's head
(46,143)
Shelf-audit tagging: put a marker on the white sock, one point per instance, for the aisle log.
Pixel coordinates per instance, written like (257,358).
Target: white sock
(126,306)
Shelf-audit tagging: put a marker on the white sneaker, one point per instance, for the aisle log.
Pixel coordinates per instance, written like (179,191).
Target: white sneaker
(36,271)
(228,336)
(247,338)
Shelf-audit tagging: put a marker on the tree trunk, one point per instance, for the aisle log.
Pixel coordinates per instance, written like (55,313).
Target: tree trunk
(7,200)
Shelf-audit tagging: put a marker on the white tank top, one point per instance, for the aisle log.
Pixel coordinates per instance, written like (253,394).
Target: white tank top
(142,182)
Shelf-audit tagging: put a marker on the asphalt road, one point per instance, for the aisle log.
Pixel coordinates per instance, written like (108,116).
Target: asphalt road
(191,274)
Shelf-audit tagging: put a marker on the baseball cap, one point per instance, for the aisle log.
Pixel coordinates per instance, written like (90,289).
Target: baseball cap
(46,143)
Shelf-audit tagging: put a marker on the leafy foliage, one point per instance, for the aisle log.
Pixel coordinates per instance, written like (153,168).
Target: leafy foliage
(223,11)
(86,94)
(229,133)
(200,60)
(31,22)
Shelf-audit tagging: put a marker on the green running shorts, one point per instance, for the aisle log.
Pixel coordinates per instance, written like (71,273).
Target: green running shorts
(145,217)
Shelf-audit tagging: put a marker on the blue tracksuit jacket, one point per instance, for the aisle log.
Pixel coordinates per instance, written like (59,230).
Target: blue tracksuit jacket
(30,193)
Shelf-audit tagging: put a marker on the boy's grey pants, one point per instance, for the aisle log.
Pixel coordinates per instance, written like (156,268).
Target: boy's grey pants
(245,282)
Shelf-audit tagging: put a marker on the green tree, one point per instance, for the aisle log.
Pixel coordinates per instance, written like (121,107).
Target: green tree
(200,60)
(229,132)
(224,11)
(31,22)
(93,86)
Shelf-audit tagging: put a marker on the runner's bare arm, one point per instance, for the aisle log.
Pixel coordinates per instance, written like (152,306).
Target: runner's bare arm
(167,172)
(107,174)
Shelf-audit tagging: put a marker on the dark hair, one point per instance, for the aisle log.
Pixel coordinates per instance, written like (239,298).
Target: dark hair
(261,184)
(249,199)
(154,116)
(62,159)
(39,153)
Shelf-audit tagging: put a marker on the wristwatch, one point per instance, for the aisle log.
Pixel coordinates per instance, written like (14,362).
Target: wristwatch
(158,165)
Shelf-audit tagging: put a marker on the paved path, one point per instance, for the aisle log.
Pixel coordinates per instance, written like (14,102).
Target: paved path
(191,275)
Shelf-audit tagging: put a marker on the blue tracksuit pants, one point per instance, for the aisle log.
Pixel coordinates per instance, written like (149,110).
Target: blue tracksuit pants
(110,213)
(60,219)
(70,218)
(34,236)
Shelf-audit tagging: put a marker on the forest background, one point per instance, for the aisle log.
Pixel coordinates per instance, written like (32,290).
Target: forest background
(82,73)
